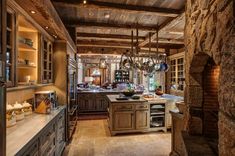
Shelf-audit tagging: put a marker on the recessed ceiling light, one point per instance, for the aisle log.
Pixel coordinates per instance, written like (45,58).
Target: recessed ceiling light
(46,27)
(84,1)
(55,36)
(33,12)
(106,15)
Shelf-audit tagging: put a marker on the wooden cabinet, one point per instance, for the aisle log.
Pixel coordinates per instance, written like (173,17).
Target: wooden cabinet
(142,119)
(123,120)
(33,150)
(92,102)
(47,61)
(10,47)
(101,104)
(29,55)
(47,140)
(50,141)
(86,103)
(128,117)
(60,134)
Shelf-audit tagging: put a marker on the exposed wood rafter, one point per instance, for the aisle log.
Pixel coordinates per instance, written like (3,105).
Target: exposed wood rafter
(164,27)
(80,23)
(108,50)
(130,8)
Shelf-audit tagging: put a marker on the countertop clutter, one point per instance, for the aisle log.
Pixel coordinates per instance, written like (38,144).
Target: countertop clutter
(21,136)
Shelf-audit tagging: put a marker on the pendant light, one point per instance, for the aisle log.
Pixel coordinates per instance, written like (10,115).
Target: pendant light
(102,62)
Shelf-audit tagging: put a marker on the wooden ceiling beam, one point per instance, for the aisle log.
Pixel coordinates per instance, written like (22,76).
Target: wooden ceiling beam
(127,38)
(80,23)
(125,41)
(108,50)
(107,36)
(121,44)
(117,6)
(163,27)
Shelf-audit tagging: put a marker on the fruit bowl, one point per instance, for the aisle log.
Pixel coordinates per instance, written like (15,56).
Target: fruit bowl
(128,93)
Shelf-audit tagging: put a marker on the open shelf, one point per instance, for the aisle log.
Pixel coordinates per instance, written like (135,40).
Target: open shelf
(27,51)
(25,47)
(26,29)
(25,66)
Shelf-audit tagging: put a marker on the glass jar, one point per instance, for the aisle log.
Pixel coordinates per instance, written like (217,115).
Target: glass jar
(18,109)
(10,116)
(27,108)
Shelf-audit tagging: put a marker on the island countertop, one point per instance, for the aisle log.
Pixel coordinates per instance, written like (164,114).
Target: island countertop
(108,91)
(24,131)
(112,99)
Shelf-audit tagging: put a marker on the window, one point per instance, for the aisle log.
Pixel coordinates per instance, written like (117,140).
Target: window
(177,73)
(151,83)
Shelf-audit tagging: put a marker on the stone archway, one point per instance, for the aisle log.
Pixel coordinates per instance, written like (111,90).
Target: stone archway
(210,31)
(203,99)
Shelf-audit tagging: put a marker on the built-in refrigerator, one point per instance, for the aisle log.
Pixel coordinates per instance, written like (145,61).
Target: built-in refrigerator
(2,78)
(72,94)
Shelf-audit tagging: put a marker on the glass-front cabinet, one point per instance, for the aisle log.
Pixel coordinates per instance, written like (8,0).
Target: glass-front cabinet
(10,47)
(29,55)
(47,61)
(177,73)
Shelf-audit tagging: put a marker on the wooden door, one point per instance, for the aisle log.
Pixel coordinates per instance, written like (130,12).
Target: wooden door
(124,120)
(142,119)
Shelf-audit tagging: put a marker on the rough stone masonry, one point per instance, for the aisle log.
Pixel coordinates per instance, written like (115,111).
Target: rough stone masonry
(210,33)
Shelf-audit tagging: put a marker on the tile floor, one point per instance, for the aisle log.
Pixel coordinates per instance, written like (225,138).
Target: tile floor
(92,138)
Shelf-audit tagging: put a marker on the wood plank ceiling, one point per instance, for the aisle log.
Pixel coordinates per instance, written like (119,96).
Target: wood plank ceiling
(104,26)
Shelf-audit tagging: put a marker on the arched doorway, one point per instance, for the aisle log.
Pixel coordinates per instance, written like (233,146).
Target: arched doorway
(203,99)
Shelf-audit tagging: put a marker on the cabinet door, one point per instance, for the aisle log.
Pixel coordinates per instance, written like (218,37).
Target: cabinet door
(124,120)
(142,119)
(47,61)
(101,104)
(91,104)
(32,150)
(83,104)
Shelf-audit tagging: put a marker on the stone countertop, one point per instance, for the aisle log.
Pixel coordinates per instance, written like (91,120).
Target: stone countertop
(104,91)
(24,131)
(112,99)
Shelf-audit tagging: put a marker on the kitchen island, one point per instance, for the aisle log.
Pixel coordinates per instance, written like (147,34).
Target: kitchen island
(95,101)
(139,115)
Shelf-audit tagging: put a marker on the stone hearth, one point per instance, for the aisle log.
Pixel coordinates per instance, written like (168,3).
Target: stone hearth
(210,34)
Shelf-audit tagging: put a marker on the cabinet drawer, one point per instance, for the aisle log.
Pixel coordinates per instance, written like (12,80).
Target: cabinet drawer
(48,145)
(142,106)
(47,135)
(123,107)
(32,150)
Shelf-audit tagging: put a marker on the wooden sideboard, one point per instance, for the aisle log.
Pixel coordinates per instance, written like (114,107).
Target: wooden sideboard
(38,135)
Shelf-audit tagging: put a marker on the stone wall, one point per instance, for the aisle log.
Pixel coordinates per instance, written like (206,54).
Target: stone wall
(210,33)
